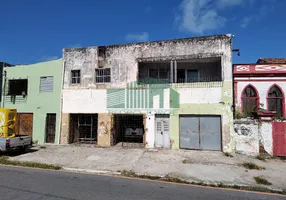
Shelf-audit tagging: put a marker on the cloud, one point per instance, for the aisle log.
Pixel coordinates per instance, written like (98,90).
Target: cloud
(49,58)
(200,16)
(222,4)
(245,21)
(139,37)
(265,7)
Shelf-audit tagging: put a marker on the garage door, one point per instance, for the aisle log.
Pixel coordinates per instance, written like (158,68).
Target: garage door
(24,124)
(200,132)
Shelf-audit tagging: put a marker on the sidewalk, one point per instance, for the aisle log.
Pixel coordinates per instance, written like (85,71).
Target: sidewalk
(193,166)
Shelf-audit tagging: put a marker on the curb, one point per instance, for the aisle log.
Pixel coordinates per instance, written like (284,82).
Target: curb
(90,171)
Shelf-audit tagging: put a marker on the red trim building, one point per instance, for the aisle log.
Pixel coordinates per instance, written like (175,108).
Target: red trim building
(261,85)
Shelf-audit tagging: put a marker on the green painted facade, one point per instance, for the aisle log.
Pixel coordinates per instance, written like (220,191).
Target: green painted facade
(36,102)
(222,109)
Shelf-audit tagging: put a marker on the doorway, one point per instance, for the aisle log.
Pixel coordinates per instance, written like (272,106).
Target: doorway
(162,127)
(50,128)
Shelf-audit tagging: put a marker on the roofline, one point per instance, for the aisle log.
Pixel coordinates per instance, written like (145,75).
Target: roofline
(259,64)
(158,41)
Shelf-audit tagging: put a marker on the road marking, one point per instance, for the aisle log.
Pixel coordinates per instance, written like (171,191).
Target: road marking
(118,175)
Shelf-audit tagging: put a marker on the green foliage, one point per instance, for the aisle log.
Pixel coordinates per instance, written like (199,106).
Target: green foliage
(250,165)
(261,180)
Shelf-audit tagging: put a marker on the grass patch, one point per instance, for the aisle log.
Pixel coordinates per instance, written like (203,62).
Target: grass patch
(219,185)
(250,165)
(175,180)
(261,180)
(261,157)
(227,154)
(185,161)
(4,160)
(143,176)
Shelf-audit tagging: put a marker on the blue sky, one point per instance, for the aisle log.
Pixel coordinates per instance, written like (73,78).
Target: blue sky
(36,30)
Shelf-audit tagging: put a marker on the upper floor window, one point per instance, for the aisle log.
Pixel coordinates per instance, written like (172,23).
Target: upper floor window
(250,99)
(275,100)
(181,71)
(46,84)
(102,75)
(187,75)
(75,76)
(18,87)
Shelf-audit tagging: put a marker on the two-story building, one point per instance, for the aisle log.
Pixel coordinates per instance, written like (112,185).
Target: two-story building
(35,91)
(169,93)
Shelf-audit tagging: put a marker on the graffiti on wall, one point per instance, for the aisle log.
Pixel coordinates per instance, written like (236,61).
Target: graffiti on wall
(243,130)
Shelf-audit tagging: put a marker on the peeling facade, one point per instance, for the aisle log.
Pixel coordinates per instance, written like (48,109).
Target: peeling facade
(163,81)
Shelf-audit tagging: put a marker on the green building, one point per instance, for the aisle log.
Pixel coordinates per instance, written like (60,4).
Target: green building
(35,91)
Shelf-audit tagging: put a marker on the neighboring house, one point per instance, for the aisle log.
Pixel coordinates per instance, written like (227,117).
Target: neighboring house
(261,85)
(35,91)
(170,94)
(259,92)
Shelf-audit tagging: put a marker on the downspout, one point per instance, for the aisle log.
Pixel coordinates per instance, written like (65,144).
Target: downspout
(4,88)
(61,99)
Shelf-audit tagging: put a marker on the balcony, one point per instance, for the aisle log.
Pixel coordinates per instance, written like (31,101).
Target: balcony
(189,73)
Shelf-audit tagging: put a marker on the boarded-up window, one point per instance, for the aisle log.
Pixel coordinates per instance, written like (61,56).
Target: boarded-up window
(274,100)
(46,84)
(249,100)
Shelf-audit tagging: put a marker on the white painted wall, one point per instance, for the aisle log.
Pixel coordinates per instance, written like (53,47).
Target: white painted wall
(261,87)
(265,132)
(246,138)
(84,101)
(200,95)
(150,132)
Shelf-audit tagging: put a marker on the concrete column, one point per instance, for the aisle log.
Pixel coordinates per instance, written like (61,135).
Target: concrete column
(150,131)
(105,127)
(65,128)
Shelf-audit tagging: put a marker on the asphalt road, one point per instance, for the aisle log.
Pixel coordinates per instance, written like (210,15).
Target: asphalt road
(31,184)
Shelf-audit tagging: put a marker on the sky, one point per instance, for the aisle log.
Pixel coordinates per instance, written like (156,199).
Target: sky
(33,31)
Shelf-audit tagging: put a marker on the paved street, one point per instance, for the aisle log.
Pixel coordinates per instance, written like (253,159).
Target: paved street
(22,184)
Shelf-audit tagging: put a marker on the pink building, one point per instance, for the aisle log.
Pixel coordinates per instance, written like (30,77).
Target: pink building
(260,85)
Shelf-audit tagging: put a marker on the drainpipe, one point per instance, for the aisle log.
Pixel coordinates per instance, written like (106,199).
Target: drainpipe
(61,99)
(4,87)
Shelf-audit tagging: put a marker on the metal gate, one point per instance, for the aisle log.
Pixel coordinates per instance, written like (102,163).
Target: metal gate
(162,138)
(279,138)
(24,124)
(50,128)
(200,132)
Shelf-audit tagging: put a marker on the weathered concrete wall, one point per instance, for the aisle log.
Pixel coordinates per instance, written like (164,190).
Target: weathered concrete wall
(105,128)
(253,137)
(84,101)
(200,95)
(65,128)
(265,136)
(123,61)
(150,131)
(246,137)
